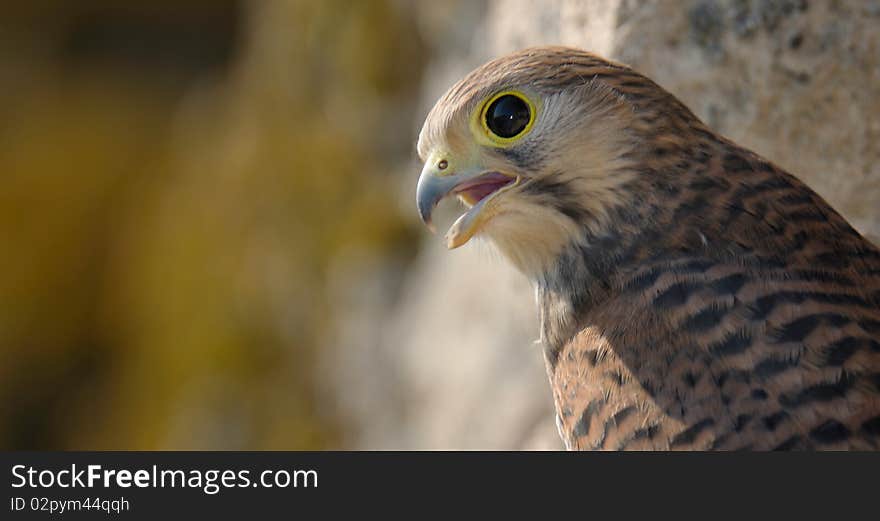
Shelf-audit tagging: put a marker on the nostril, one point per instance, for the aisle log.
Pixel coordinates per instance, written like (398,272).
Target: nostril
(442,164)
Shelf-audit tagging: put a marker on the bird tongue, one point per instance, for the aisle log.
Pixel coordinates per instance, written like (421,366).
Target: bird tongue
(477,189)
(482,190)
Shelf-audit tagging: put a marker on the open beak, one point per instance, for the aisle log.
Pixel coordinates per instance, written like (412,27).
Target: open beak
(477,189)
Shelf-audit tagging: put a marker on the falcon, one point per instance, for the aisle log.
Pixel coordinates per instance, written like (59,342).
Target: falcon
(692,294)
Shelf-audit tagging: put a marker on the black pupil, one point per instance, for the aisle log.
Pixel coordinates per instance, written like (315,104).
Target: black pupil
(507,116)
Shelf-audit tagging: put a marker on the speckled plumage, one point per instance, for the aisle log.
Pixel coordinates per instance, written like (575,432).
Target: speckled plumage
(692,294)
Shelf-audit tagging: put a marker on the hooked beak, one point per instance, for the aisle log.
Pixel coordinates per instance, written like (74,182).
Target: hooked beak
(430,191)
(477,189)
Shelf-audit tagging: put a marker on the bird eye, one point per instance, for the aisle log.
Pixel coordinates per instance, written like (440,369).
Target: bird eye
(508,116)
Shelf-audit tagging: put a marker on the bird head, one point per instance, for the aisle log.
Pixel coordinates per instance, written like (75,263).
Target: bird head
(537,145)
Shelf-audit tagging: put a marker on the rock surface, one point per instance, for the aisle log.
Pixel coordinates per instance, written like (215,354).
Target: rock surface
(449,363)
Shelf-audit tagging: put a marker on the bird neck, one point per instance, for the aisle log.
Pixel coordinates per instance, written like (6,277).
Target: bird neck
(581,276)
(670,206)
(712,202)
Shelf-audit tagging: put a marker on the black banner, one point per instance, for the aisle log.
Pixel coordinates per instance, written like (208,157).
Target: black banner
(135,485)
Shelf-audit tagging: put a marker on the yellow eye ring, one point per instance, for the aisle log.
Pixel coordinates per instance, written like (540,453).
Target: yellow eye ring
(506,117)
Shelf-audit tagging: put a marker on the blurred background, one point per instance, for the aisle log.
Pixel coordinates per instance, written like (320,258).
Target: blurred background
(207,216)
